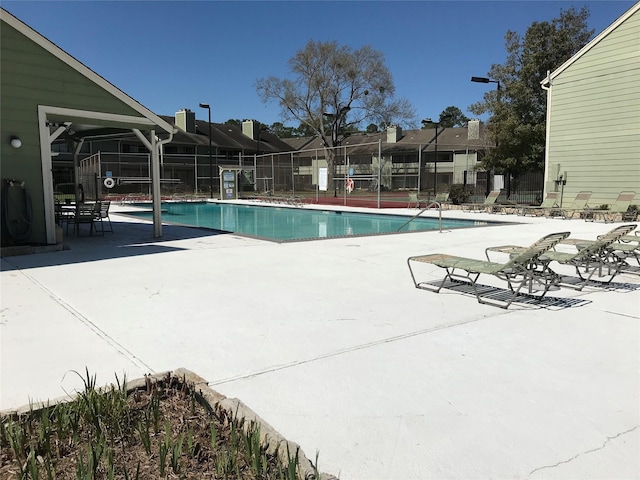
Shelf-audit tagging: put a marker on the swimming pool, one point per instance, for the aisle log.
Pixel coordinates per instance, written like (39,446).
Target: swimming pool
(282,224)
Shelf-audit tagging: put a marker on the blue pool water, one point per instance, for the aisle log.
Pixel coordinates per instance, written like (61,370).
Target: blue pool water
(291,224)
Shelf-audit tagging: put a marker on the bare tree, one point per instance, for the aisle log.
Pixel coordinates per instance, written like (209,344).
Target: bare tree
(333,88)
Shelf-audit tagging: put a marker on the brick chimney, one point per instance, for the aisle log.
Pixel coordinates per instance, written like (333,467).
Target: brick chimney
(473,130)
(251,128)
(394,133)
(186,120)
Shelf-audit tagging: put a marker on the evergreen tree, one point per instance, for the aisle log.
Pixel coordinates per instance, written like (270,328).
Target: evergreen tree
(518,106)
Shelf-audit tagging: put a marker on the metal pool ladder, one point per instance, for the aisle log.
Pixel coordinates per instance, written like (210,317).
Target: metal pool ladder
(421,212)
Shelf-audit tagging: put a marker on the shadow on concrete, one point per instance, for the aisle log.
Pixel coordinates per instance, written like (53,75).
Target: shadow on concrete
(492,293)
(128,239)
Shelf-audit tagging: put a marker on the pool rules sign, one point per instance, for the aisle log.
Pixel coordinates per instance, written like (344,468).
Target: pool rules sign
(322,179)
(229,183)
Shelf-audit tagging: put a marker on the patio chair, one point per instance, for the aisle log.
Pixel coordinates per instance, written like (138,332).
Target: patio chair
(486,205)
(102,215)
(579,204)
(414,200)
(596,256)
(85,213)
(620,206)
(549,203)
(526,267)
(442,198)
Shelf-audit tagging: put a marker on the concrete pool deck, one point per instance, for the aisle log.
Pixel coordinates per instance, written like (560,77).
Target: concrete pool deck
(330,343)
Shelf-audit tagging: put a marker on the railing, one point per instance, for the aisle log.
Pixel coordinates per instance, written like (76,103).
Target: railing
(421,212)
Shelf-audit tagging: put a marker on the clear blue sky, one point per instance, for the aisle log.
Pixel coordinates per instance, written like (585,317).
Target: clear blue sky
(175,54)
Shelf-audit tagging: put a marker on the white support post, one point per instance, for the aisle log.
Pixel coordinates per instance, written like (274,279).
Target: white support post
(155,179)
(155,187)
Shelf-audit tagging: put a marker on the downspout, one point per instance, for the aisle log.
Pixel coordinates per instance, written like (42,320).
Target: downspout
(546,86)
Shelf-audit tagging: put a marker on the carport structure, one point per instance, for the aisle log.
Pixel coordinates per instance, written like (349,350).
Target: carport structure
(47,95)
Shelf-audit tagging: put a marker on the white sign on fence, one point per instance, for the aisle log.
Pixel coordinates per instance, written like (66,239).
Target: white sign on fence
(322,179)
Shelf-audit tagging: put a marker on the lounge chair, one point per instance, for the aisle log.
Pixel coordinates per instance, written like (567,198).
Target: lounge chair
(486,205)
(629,246)
(596,256)
(549,203)
(620,206)
(579,205)
(626,246)
(523,268)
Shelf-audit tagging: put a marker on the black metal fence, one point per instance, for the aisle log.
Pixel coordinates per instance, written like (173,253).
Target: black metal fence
(289,173)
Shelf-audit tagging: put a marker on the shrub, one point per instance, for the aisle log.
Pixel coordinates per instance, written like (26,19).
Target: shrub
(458,193)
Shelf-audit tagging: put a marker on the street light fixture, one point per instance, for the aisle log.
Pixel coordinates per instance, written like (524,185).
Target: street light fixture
(428,121)
(208,107)
(485,80)
(488,80)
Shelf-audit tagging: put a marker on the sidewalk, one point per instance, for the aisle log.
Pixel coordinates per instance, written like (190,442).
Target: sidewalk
(330,343)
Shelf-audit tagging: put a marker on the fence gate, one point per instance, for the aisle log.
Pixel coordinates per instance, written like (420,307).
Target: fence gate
(89,176)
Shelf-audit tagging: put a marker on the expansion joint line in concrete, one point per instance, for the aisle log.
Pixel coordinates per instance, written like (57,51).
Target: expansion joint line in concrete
(355,348)
(121,349)
(604,444)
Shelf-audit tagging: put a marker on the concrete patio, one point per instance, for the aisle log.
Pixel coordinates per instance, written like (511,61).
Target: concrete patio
(330,343)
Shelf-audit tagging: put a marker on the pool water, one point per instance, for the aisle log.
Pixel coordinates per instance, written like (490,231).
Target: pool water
(290,224)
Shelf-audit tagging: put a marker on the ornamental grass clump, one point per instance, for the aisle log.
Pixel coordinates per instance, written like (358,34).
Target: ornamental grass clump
(158,431)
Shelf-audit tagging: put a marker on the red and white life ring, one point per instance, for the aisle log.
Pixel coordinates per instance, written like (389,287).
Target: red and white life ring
(109,182)
(349,185)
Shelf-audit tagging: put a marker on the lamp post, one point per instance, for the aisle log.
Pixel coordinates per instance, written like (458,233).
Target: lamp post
(428,121)
(488,80)
(208,107)
(338,118)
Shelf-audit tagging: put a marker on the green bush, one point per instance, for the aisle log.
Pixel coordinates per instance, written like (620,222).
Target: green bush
(459,194)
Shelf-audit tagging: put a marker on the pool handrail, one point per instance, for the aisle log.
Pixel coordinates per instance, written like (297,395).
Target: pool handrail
(423,210)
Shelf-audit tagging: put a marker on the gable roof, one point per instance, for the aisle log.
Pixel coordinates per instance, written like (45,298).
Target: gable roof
(635,8)
(226,136)
(81,68)
(449,139)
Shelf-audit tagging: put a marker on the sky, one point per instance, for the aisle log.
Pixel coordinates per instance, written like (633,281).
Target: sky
(170,55)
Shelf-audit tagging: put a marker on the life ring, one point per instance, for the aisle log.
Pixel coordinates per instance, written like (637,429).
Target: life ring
(109,182)
(349,185)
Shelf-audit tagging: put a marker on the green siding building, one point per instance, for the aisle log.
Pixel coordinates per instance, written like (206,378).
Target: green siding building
(593,117)
(44,93)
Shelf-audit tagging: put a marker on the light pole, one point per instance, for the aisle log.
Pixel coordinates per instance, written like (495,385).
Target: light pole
(488,80)
(338,118)
(428,121)
(208,107)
